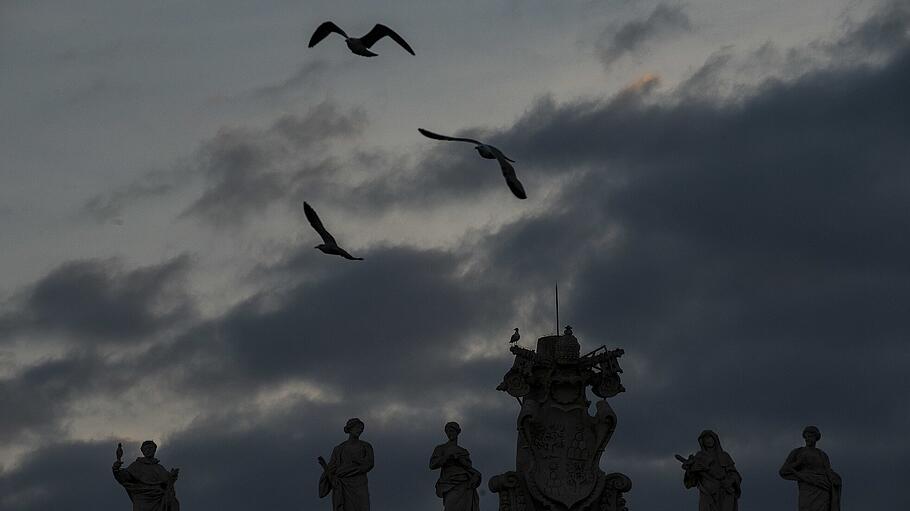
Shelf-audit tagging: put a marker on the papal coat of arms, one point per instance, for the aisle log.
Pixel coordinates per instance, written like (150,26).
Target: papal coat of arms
(560,442)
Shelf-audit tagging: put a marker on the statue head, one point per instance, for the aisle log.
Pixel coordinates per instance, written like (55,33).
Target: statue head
(148,448)
(354,427)
(452,430)
(811,435)
(708,440)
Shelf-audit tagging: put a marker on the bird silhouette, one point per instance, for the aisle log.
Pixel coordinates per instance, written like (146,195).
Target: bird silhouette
(359,45)
(490,153)
(329,245)
(515,337)
(119,452)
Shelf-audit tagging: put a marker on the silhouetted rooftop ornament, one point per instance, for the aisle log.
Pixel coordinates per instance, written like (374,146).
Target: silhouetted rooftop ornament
(149,486)
(458,479)
(490,153)
(359,45)
(712,470)
(559,442)
(329,245)
(345,474)
(515,337)
(819,486)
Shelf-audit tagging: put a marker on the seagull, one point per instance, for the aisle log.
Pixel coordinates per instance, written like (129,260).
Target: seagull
(490,153)
(515,337)
(329,245)
(359,45)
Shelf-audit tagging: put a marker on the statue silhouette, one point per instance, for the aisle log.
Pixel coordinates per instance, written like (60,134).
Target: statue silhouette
(148,484)
(819,486)
(458,479)
(345,475)
(712,470)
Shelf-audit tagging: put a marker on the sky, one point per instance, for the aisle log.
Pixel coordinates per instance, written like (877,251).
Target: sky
(720,188)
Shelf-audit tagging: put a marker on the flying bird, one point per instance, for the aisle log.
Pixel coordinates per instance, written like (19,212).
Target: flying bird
(515,337)
(329,245)
(359,45)
(490,153)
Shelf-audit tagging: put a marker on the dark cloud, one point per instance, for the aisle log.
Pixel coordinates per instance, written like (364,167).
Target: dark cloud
(98,300)
(633,37)
(245,170)
(37,399)
(305,76)
(109,207)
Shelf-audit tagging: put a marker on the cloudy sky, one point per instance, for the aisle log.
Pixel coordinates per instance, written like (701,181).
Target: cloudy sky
(720,188)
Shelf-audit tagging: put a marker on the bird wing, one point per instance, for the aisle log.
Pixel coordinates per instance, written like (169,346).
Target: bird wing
(344,253)
(437,136)
(380,31)
(508,172)
(317,224)
(499,154)
(324,30)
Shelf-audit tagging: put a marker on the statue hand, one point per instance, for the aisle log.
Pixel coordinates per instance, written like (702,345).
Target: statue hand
(117,464)
(321,461)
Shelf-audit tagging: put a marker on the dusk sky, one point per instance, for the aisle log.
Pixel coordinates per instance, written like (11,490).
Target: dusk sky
(720,187)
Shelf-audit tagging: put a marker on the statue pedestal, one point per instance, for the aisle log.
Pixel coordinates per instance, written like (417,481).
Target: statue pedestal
(559,442)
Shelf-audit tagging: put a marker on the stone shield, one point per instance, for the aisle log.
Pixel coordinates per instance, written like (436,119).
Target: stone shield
(565,456)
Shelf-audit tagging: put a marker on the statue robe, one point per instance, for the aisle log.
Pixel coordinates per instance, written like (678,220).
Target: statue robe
(345,476)
(149,485)
(819,486)
(713,472)
(458,480)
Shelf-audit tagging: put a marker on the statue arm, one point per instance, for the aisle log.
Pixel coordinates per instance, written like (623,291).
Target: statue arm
(121,476)
(367,463)
(832,475)
(437,459)
(789,469)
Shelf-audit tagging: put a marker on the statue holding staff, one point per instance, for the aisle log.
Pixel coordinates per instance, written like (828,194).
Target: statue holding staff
(819,486)
(345,474)
(712,470)
(149,486)
(458,479)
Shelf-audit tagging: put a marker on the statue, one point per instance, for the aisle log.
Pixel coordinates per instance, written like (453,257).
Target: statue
(819,486)
(148,484)
(458,480)
(559,441)
(711,469)
(345,475)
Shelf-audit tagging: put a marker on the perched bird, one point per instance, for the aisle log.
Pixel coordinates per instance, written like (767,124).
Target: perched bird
(359,45)
(515,337)
(490,153)
(119,452)
(329,245)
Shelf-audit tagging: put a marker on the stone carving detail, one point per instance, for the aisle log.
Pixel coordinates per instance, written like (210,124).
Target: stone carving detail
(559,442)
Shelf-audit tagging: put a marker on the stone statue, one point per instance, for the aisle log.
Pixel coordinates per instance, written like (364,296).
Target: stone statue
(559,441)
(458,480)
(711,469)
(819,486)
(345,475)
(149,485)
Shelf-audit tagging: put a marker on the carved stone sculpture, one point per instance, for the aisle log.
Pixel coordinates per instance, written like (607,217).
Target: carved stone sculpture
(712,470)
(149,486)
(819,486)
(345,475)
(559,442)
(458,479)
